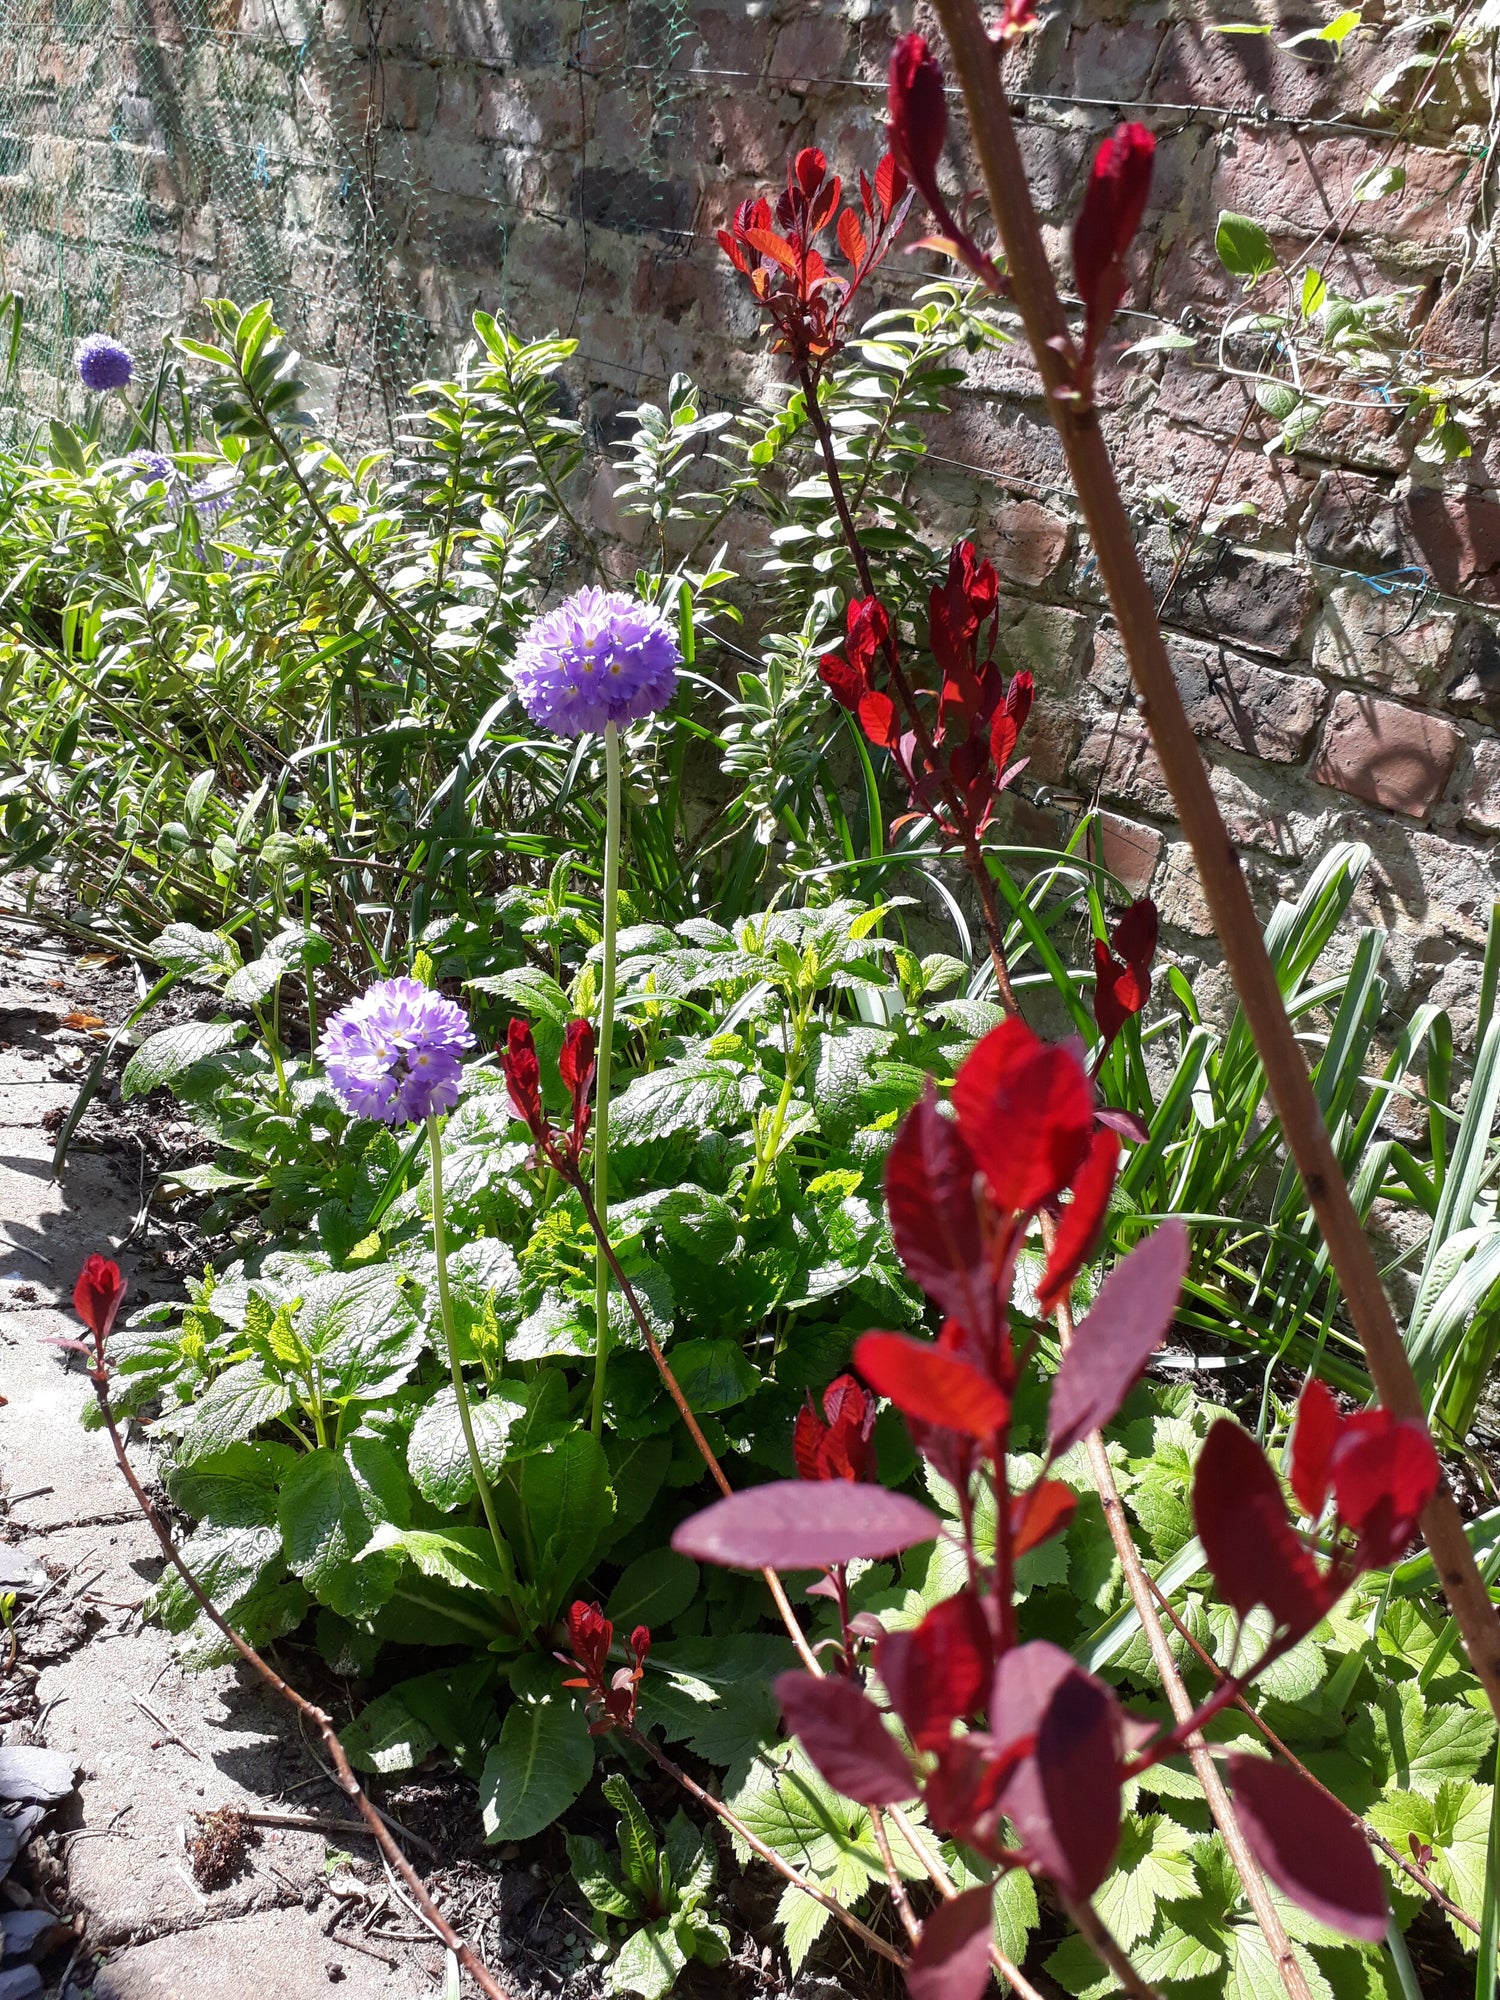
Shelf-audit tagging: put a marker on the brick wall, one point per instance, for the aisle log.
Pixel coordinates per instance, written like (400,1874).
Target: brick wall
(548,160)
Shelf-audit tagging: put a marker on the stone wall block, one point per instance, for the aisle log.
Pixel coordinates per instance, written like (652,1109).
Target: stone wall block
(1370,636)
(1392,756)
(1230,699)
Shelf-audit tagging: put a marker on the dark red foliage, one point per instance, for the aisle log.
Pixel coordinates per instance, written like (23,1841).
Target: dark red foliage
(1112,211)
(1122,969)
(778,251)
(1082,1219)
(1042,1511)
(1309,1847)
(952,1961)
(1380,1469)
(929,1193)
(840,1444)
(776,1527)
(849,676)
(1117,1337)
(1026,1111)
(917,107)
(939,1672)
(610,1697)
(840,1729)
(1251,1546)
(576,1066)
(931,1384)
(523,1078)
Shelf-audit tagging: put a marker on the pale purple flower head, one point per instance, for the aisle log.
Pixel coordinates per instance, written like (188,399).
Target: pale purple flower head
(599,657)
(103,364)
(393,1054)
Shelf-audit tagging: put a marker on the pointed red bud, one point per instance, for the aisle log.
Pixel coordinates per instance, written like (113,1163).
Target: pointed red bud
(97,1298)
(918,110)
(1113,208)
(523,1078)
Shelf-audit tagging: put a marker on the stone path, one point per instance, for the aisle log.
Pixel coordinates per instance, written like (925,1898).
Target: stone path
(153,1746)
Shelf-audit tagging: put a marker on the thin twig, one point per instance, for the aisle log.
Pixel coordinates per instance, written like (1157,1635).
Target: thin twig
(487,1981)
(1267,1916)
(782,1866)
(1217,861)
(1392,1854)
(894,1883)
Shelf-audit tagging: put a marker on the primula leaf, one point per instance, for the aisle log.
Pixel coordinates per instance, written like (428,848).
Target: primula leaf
(543,1759)
(653,1590)
(1117,1337)
(649,1962)
(790,1525)
(841,1730)
(173,1051)
(1309,1847)
(590,1870)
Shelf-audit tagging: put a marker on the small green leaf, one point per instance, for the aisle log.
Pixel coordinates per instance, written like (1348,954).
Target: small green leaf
(1314,292)
(590,1866)
(635,1835)
(234,1404)
(173,1051)
(1377,182)
(649,1962)
(1243,247)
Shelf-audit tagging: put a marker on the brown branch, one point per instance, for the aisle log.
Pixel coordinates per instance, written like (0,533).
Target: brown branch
(1392,1854)
(1267,1916)
(488,1982)
(1217,861)
(1101,1941)
(893,1880)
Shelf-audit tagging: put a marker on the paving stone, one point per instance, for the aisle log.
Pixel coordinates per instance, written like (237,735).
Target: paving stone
(281,1954)
(20,1982)
(35,1776)
(144,1788)
(1394,757)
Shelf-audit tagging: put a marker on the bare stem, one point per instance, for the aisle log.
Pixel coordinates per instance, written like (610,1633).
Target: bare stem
(1197,809)
(487,1982)
(1204,1768)
(774,1584)
(893,1878)
(782,1866)
(1092,1928)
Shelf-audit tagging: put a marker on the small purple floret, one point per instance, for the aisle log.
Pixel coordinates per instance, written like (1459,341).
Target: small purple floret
(393,1054)
(599,657)
(103,364)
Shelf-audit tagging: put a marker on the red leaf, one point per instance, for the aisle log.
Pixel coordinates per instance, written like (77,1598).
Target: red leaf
(937,1673)
(890,183)
(775,1527)
(1042,1512)
(840,1729)
(925,1382)
(98,1295)
(1384,1473)
(929,1193)
(1082,1219)
(952,1958)
(809,167)
(1065,1795)
(1313,1440)
(523,1077)
(1309,1847)
(843,680)
(1026,1111)
(1118,1336)
(1252,1549)
(769,244)
(1134,936)
(851,237)
(838,1444)
(877,715)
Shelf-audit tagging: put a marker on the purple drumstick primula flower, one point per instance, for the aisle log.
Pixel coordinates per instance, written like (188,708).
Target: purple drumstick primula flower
(393,1054)
(103,364)
(599,657)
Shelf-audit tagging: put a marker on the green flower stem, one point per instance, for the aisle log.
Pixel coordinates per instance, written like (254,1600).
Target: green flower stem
(445,1308)
(604,1053)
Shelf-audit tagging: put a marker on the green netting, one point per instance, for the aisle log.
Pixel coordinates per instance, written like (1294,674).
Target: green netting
(151,155)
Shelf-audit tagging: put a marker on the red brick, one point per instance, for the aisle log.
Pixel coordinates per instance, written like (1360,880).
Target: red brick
(1392,756)
(1229,699)
(1295,186)
(1456,536)
(1129,850)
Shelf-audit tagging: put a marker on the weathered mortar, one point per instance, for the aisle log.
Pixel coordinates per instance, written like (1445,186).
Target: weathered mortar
(514,162)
